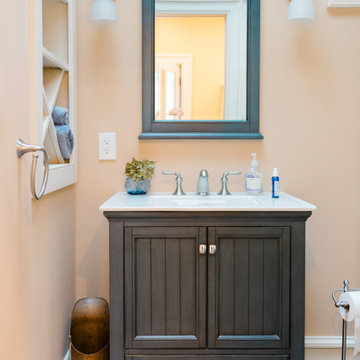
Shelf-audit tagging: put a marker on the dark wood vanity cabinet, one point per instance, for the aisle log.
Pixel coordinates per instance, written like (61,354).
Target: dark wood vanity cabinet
(221,286)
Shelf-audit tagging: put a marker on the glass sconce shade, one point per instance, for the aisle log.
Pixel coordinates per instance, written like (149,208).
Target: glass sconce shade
(103,11)
(301,11)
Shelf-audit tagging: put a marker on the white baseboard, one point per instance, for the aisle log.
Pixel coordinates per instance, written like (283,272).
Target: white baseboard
(343,3)
(327,342)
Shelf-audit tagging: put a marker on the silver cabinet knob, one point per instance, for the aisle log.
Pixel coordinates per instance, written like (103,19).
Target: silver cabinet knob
(212,250)
(202,249)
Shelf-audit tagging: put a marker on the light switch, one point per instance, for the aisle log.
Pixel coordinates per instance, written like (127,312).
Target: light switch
(107,146)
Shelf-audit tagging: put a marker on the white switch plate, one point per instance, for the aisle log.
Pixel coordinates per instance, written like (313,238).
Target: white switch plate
(107,146)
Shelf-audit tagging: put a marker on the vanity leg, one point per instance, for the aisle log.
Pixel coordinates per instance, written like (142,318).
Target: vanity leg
(116,248)
(297,291)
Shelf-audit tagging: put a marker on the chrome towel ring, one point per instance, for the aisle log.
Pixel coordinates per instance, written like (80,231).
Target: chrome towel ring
(22,149)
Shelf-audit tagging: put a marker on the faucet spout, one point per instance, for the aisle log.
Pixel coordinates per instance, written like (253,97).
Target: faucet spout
(203,184)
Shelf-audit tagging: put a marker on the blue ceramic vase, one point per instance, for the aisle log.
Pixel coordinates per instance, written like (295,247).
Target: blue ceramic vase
(133,187)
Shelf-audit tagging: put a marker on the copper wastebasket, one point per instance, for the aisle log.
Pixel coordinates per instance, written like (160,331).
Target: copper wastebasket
(90,330)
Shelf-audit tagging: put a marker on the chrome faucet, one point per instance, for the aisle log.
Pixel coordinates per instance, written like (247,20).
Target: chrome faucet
(203,184)
(179,191)
(224,180)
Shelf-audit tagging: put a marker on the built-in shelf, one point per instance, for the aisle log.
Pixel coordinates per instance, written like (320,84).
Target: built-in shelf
(47,119)
(63,1)
(46,110)
(60,166)
(54,29)
(50,60)
(52,78)
(52,82)
(51,144)
(63,94)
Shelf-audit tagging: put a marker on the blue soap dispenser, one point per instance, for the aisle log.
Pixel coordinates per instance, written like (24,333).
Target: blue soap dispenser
(275,184)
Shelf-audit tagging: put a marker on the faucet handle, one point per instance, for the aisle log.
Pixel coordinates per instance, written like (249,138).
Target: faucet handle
(224,180)
(179,191)
(227,173)
(176,173)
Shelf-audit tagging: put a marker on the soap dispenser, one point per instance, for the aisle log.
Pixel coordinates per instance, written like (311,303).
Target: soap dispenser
(254,179)
(275,184)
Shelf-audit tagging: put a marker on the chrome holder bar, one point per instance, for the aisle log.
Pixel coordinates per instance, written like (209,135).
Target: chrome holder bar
(22,149)
(345,305)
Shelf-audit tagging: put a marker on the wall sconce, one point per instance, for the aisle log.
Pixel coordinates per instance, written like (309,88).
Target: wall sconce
(103,11)
(301,11)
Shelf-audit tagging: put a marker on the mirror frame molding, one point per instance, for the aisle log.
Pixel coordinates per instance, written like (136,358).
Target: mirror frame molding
(222,129)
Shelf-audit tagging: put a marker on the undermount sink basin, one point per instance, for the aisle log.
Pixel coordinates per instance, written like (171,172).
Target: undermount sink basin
(213,202)
(204,201)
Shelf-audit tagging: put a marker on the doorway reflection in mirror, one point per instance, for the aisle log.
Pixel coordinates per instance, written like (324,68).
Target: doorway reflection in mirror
(200,60)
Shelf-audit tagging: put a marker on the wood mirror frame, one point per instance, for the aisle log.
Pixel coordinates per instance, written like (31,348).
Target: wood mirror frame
(184,129)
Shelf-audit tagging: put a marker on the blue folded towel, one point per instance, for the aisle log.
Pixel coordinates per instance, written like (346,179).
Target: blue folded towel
(65,139)
(60,116)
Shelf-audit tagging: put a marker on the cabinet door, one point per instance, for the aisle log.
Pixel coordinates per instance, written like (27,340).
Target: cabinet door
(249,287)
(165,287)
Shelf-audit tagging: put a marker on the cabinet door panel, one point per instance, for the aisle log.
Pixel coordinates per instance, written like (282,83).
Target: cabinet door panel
(165,282)
(249,288)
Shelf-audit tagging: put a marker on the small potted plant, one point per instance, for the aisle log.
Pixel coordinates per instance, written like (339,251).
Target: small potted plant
(139,174)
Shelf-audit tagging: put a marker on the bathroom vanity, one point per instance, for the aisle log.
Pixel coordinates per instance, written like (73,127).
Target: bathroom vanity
(207,277)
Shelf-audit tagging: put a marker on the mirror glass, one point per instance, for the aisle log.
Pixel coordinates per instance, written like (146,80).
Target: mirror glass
(200,60)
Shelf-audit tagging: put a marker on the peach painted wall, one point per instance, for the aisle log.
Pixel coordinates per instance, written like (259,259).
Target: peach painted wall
(310,86)
(310,119)
(37,239)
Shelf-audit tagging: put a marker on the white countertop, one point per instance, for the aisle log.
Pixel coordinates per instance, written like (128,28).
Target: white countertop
(213,202)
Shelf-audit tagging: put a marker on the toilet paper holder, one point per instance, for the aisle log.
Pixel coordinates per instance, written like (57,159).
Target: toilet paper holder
(345,305)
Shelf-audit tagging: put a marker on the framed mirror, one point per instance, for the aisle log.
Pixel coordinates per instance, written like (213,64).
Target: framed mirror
(201,65)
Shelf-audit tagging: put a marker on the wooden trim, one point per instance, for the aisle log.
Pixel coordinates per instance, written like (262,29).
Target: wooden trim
(253,66)
(247,128)
(148,64)
(297,291)
(62,175)
(200,135)
(52,60)
(214,354)
(201,217)
(250,338)
(116,254)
